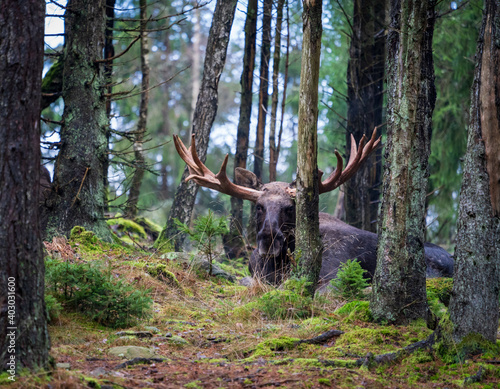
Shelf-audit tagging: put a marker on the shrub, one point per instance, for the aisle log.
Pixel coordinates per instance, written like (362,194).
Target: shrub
(91,289)
(205,231)
(291,302)
(53,307)
(349,283)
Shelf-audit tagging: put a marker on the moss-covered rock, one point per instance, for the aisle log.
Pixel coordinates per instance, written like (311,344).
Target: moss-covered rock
(122,226)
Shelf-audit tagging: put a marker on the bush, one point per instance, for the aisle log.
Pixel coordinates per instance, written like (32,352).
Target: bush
(205,231)
(52,307)
(91,289)
(349,283)
(291,302)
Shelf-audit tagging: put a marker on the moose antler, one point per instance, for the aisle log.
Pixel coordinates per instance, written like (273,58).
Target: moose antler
(358,156)
(203,176)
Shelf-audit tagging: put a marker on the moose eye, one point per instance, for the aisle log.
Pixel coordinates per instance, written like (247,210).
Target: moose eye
(259,208)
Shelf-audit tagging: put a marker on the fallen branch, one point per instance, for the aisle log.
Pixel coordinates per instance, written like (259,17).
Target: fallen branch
(320,339)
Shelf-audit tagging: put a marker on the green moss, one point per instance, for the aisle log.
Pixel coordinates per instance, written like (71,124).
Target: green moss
(128,226)
(356,310)
(194,385)
(269,347)
(324,381)
(80,236)
(159,270)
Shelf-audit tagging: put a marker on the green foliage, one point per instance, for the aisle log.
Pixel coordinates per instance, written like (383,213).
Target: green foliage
(91,288)
(349,283)
(291,302)
(53,307)
(356,310)
(438,295)
(205,231)
(127,226)
(160,271)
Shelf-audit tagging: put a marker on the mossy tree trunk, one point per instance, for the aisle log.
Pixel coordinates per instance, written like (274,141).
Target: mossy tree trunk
(474,301)
(309,248)
(203,118)
(365,85)
(234,244)
(82,159)
(23,321)
(399,294)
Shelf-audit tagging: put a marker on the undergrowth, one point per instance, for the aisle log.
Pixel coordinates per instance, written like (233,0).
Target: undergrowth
(92,289)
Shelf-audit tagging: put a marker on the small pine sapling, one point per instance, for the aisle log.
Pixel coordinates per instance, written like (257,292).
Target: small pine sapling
(205,231)
(349,282)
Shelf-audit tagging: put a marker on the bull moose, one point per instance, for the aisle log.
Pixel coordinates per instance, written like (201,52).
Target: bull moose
(275,219)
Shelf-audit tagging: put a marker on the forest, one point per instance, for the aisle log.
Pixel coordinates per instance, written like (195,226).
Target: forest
(364,135)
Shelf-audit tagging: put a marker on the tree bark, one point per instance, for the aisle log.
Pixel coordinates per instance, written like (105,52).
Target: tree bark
(24,338)
(204,116)
(234,244)
(139,163)
(399,293)
(365,76)
(474,301)
(79,170)
(309,247)
(265,56)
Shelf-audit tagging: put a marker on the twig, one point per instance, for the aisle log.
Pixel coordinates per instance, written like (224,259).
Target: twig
(119,55)
(81,185)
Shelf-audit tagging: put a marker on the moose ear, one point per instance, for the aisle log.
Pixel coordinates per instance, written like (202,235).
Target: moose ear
(246,178)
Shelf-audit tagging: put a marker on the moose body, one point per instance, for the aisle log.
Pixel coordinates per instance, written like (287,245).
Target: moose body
(275,219)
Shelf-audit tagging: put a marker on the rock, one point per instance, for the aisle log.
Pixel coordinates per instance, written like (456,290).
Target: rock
(98,372)
(154,330)
(131,352)
(177,340)
(63,365)
(246,281)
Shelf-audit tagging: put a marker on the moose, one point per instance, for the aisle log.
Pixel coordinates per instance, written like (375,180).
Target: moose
(275,219)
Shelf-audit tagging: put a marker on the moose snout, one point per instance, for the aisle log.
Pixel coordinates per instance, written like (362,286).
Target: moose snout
(270,239)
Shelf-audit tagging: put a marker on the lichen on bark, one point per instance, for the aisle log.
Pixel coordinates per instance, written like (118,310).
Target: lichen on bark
(399,283)
(79,196)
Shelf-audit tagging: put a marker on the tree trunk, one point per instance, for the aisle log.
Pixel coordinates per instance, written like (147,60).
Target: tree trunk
(195,62)
(399,294)
(24,338)
(135,185)
(273,155)
(79,171)
(204,116)
(309,247)
(474,302)
(234,244)
(365,97)
(265,55)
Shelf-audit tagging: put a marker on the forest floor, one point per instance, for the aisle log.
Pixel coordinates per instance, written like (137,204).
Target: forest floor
(207,332)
